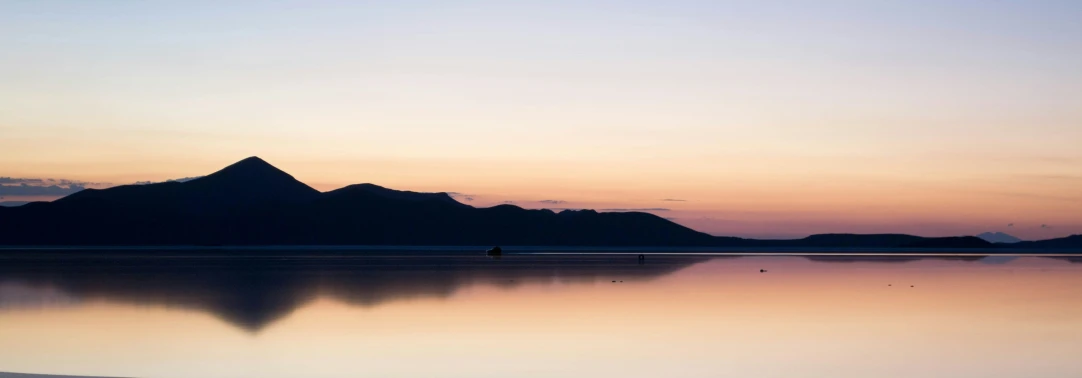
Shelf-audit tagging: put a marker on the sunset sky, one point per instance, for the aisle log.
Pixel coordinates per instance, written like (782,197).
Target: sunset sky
(749,118)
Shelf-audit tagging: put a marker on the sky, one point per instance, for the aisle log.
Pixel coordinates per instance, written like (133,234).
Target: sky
(746,118)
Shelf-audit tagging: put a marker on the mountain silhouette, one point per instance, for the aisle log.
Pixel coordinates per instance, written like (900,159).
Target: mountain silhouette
(1070,242)
(950,242)
(253,203)
(248,183)
(998,237)
(851,240)
(381,192)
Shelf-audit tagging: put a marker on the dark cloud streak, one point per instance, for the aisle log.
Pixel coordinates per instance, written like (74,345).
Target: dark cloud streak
(47,182)
(43,187)
(460,196)
(608,210)
(182,179)
(48,187)
(39,190)
(17,181)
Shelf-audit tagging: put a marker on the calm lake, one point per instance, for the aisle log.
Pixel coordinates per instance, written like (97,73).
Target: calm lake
(393,314)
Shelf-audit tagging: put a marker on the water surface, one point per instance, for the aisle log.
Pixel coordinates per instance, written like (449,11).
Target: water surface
(452,315)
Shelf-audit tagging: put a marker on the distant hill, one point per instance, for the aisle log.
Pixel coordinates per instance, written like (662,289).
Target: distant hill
(849,240)
(13,203)
(950,242)
(1070,242)
(998,237)
(253,203)
(872,241)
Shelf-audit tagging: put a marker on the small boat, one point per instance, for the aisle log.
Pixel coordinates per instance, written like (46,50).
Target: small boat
(495,251)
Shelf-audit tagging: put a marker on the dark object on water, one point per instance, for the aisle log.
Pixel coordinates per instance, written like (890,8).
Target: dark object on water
(762,270)
(495,251)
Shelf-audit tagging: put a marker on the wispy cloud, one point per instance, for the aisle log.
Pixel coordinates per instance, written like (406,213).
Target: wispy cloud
(42,187)
(186,179)
(674,200)
(608,210)
(39,190)
(183,179)
(552,202)
(16,181)
(49,187)
(460,196)
(48,182)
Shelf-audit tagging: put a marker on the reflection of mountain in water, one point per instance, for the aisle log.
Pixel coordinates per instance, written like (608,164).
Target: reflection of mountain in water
(252,292)
(1072,259)
(252,289)
(886,259)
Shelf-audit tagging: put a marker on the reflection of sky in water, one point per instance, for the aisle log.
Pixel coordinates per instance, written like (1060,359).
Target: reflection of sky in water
(545,316)
(996,260)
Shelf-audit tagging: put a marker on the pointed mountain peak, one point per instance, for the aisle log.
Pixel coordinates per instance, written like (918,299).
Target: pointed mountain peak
(252,160)
(998,237)
(253,163)
(252,170)
(255,177)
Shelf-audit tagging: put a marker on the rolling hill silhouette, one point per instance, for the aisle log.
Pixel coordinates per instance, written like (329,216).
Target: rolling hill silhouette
(1070,242)
(253,203)
(998,237)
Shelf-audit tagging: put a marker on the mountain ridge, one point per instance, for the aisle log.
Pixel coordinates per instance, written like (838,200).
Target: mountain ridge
(246,183)
(251,202)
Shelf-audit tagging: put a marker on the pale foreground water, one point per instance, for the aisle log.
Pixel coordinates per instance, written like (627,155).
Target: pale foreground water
(381,315)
